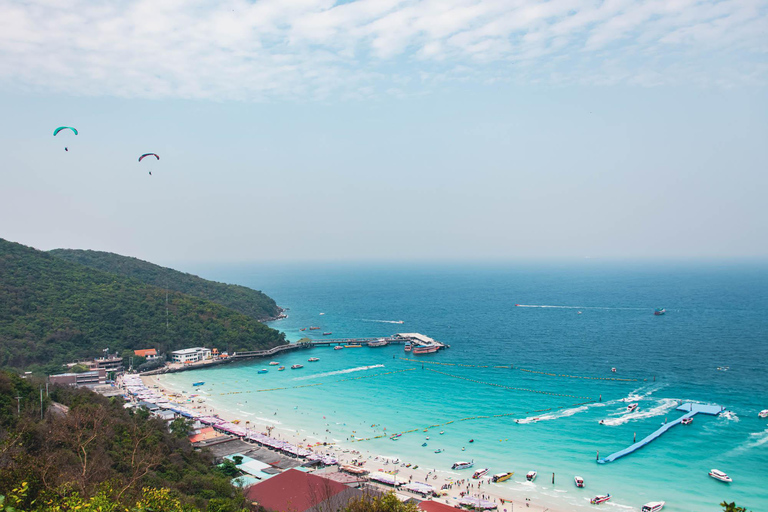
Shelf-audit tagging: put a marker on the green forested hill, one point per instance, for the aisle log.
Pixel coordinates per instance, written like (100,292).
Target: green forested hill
(53,311)
(240,298)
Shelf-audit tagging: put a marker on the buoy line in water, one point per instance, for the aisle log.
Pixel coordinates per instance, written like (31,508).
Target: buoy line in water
(519,369)
(318,383)
(527,390)
(470,418)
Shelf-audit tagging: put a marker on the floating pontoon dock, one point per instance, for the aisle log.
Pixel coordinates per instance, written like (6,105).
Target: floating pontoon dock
(690,409)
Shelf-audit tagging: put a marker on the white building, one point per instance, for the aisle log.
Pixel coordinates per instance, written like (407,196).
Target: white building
(191,355)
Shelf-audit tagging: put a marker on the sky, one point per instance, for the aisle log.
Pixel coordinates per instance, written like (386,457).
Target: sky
(387,130)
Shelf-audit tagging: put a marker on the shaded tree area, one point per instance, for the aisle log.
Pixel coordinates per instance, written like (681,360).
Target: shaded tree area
(53,311)
(99,456)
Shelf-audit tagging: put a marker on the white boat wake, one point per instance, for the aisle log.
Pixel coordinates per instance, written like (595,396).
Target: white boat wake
(383,321)
(664,406)
(340,372)
(729,416)
(576,307)
(755,440)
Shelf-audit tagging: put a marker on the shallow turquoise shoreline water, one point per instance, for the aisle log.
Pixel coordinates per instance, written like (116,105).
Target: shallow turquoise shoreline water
(716,317)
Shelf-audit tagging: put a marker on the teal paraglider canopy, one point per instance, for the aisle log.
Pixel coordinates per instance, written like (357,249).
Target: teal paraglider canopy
(57,130)
(142,157)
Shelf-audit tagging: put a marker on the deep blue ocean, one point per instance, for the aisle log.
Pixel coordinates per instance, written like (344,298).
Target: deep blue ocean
(579,319)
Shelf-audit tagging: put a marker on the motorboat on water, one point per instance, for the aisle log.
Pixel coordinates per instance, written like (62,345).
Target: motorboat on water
(531,476)
(659,311)
(442,432)
(273,363)
(424,444)
(613,370)
(480,473)
(353,345)
(303,329)
(198,383)
(686,421)
(297,366)
(631,407)
(600,498)
(653,506)
(462,465)
(439,450)
(407,346)
(719,475)
(262,371)
(763,413)
(314,328)
(281,368)
(502,477)
(338,347)
(602,422)
(327,333)
(579,481)
(313,359)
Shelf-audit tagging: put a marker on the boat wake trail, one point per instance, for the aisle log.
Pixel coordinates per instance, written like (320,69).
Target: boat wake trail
(383,321)
(755,440)
(340,372)
(575,307)
(561,414)
(664,406)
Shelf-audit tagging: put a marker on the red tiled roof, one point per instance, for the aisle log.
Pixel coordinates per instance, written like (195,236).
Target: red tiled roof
(435,506)
(145,352)
(293,491)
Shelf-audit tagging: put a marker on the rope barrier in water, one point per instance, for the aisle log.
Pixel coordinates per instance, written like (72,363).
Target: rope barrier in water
(318,383)
(527,390)
(510,367)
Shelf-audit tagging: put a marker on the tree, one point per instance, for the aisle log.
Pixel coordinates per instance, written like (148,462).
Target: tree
(731,507)
(386,503)
(180,427)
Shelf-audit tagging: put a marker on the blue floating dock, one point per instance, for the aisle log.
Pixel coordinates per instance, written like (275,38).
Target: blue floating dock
(690,409)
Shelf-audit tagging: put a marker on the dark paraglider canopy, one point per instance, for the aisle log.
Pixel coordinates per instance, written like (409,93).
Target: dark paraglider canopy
(148,154)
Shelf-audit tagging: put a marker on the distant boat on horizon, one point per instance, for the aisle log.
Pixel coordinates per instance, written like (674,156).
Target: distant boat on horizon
(659,311)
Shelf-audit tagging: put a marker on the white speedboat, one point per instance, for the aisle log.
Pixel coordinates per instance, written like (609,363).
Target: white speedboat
(273,363)
(531,476)
(653,506)
(462,465)
(578,481)
(686,421)
(313,359)
(338,347)
(631,407)
(763,413)
(719,475)
(480,473)
(297,366)
(600,498)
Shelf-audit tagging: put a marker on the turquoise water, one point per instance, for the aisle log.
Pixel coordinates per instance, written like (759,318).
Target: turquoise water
(716,316)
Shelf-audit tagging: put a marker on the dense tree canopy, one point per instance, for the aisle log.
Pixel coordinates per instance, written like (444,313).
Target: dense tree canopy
(53,311)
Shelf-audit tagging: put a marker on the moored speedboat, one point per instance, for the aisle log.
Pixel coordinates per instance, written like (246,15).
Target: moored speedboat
(381,342)
(281,368)
(502,477)
(686,421)
(462,465)
(297,366)
(480,473)
(578,481)
(531,476)
(631,407)
(314,328)
(763,413)
(408,346)
(273,363)
(327,333)
(719,475)
(198,383)
(338,347)
(613,370)
(653,506)
(313,359)
(262,371)
(600,498)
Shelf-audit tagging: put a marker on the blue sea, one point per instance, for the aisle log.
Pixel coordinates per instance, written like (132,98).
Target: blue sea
(574,322)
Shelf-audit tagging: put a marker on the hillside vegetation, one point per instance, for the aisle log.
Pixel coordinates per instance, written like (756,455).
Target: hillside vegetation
(249,302)
(53,311)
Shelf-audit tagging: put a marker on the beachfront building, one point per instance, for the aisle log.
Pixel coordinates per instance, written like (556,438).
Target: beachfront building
(150,354)
(110,363)
(300,492)
(92,378)
(190,355)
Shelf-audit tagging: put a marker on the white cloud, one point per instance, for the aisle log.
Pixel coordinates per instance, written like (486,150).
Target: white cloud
(237,49)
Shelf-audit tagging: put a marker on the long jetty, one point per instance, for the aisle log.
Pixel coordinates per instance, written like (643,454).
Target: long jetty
(692,410)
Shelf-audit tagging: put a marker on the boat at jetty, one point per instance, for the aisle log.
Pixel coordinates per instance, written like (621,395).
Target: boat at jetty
(313,359)
(653,506)
(631,407)
(262,371)
(600,498)
(719,475)
(425,349)
(763,413)
(407,347)
(297,366)
(480,473)
(338,347)
(381,342)
(462,465)
(531,476)
(578,481)
(353,345)
(686,421)
(502,477)
(198,383)
(659,311)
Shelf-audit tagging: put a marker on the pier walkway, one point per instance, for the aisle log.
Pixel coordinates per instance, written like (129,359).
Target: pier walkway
(692,410)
